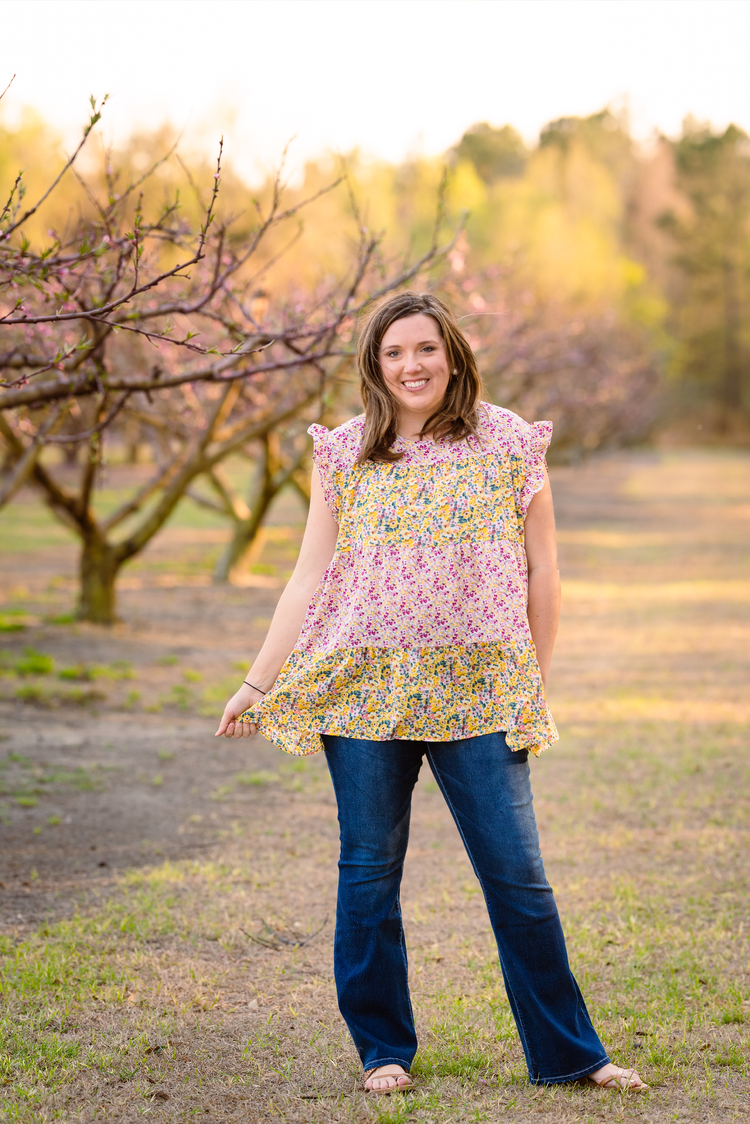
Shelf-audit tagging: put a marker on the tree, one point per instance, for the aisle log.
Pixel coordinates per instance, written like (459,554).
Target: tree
(281,459)
(137,315)
(495,153)
(597,377)
(712,242)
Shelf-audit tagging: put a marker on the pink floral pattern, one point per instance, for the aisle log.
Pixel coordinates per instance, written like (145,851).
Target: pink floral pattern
(418,629)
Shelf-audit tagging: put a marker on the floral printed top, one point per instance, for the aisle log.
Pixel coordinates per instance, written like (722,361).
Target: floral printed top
(418,629)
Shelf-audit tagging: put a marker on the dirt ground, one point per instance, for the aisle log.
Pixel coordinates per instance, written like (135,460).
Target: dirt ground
(197,869)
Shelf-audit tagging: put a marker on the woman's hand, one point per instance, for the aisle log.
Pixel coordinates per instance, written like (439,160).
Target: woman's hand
(229,726)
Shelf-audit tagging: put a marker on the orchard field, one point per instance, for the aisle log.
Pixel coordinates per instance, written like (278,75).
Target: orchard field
(168,900)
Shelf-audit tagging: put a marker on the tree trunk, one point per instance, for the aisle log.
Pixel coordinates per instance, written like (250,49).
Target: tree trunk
(99,565)
(246,543)
(732,381)
(240,553)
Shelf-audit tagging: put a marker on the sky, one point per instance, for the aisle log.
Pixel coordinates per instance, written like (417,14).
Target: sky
(390,77)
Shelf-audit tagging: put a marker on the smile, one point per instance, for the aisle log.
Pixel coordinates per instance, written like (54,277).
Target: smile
(415,384)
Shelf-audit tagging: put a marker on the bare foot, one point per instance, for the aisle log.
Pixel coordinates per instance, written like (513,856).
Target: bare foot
(612,1077)
(388,1079)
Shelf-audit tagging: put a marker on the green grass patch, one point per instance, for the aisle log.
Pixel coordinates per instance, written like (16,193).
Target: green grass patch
(34,663)
(132,699)
(118,669)
(51,697)
(15,619)
(258,779)
(47,982)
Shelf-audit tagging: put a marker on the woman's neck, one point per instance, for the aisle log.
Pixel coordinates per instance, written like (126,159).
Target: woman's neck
(409,425)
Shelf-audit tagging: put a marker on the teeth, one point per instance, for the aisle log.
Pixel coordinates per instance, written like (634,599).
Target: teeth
(418,382)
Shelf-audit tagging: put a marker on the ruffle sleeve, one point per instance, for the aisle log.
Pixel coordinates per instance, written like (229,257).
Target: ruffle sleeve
(535,439)
(325,461)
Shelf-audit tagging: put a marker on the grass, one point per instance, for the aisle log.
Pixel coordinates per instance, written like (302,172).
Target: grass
(92,996)
(50,978)
(51,697)
(117,670)
(34,663)
(34,668)
(25,782)
(160,999)
(37,666)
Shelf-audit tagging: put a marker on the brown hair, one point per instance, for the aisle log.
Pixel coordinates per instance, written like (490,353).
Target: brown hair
(456,417)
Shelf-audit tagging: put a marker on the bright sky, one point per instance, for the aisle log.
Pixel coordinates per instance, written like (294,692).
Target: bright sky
(387,76)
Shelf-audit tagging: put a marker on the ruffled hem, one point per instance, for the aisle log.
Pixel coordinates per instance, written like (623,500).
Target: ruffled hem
(324,462)
(432,694)
(536,442)
(310,742)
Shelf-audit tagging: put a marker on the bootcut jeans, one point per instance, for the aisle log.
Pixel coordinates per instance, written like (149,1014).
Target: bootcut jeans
(487,789)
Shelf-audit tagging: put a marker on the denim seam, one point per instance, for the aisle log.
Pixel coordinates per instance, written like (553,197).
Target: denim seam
(560,1079)
(436,772)
(402,935)
(520,1024)
(402,946)
(390,1061)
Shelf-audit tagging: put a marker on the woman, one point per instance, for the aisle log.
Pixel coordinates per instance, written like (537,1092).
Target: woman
(419,621)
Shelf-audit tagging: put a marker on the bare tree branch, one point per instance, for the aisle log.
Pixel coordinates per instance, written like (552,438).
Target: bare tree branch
(25,464)
(76,438)
(7,87)
(93,120)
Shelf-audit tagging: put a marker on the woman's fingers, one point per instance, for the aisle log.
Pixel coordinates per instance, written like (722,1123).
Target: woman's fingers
(230,725)
(226,718)
(245,729)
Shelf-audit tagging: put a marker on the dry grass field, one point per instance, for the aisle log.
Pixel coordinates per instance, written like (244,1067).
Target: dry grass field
(167,901)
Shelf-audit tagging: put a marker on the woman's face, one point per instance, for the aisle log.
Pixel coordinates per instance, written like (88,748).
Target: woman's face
(414,363)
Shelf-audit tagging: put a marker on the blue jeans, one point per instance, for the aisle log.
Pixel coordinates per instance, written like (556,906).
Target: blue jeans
(487,788)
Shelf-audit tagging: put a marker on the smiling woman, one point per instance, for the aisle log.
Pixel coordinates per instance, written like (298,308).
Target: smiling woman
(419,623)
(419,375)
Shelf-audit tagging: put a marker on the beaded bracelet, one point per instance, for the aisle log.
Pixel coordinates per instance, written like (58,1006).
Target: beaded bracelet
(246,684)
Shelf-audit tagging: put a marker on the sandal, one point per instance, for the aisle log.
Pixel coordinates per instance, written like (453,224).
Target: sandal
(407,1085)
(622,1081)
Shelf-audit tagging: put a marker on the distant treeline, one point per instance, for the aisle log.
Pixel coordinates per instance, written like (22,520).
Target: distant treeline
(621,269)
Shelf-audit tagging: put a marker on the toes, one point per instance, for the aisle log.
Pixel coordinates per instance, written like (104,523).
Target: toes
(382,1081)
(627,1079)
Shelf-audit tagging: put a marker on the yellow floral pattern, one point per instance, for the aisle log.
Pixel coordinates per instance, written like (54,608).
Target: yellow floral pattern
(418,629)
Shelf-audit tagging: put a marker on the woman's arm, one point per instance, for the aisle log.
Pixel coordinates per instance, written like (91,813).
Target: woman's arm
(544,576)
(315,555)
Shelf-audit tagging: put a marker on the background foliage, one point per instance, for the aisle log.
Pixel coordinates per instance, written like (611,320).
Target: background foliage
(603,284)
